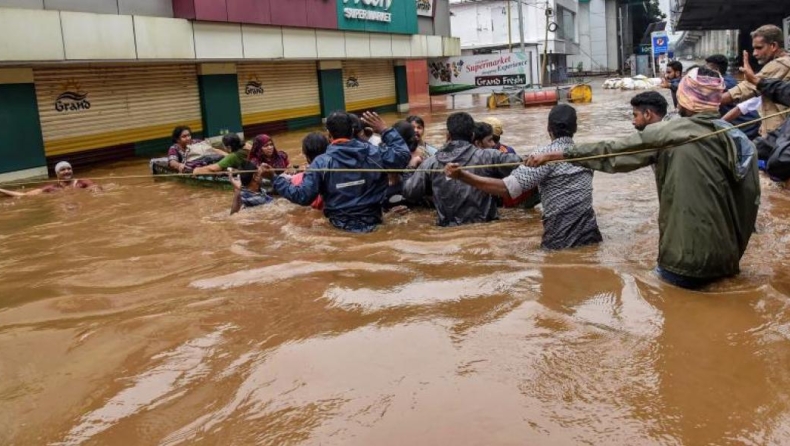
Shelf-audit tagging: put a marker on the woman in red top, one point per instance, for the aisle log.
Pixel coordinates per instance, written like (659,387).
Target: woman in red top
(264,152)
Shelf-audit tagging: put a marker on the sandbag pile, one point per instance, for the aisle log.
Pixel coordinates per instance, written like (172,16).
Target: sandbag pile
(631,83)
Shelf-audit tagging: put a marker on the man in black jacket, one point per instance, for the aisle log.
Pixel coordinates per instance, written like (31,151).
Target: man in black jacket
(458,203)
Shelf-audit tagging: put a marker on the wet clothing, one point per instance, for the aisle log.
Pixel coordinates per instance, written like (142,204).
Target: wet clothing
(195,155)
(458,203)
(278,160)
(778,68)
(318,203)
(250,199)
(774,148)
(566,192)
(673,89)
(352,200)
(76,184)
(503,148)
(753,130)
(235,160)
(708,191)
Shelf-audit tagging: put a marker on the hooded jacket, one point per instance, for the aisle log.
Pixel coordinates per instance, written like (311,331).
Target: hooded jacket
(774,148)
(458,203)
(708,190)
(352,200)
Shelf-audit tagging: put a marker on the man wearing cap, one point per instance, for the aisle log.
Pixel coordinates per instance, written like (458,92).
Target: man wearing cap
(496,124)
(566,190)
(66,180)
(708,189)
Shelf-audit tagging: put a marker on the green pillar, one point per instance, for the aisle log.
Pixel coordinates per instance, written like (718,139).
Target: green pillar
(330,87)
(219,99)
(22,151)
(401,86)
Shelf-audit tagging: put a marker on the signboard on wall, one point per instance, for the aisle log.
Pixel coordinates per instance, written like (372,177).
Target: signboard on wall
(425,8)
(385,16)
(494,71)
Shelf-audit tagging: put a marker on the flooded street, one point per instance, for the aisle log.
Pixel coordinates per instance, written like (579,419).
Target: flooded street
(146,315)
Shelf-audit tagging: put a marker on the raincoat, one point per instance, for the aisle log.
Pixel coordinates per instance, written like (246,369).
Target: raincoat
(352,200)
(458,203)
(708,191)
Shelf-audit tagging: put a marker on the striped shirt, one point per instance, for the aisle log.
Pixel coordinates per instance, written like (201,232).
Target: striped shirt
(566,194)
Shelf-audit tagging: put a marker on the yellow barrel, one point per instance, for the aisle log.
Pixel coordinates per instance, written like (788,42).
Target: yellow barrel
(581,93)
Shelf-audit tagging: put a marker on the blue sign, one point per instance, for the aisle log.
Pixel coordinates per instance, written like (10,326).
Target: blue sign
(660,43)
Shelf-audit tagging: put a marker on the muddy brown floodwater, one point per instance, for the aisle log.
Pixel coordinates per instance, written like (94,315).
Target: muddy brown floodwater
(146,315)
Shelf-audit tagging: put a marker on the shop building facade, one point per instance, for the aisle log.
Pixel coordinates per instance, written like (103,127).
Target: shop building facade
(97,80)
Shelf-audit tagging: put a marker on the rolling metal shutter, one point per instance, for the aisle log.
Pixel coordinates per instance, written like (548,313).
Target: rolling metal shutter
(272,92)
(368,84)
(94,107)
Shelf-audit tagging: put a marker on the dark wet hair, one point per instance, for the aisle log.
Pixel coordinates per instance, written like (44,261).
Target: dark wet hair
(461,126)
(720,61)
(650,100)
(178,131)
(676,66)
(246,177)
(314,144)
(771,34)
(232,141)
(562,121)
(340,125)
(482,130)
(406,131)
(705,71)
(414,118)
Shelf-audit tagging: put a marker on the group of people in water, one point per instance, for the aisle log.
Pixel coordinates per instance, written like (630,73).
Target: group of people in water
(708,187)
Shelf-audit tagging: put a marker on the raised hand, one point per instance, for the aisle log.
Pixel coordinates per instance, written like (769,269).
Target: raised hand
(374,121)
(453,170)
(747,70)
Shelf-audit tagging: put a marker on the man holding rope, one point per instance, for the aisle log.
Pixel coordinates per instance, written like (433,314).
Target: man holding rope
(65,181)
(708,187)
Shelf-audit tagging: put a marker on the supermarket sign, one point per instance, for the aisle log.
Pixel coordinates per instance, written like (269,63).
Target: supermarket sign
(386,16)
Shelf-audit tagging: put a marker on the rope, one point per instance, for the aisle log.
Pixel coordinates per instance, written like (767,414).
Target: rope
(484,166)
(690,140)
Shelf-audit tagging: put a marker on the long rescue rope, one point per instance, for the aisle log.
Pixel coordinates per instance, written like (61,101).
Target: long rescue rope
(482,166)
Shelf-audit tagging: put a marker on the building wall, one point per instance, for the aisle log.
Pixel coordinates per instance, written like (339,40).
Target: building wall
(156,8)
(612,39)
(592,31)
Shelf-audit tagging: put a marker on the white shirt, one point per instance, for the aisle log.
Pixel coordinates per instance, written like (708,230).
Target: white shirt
(751,105)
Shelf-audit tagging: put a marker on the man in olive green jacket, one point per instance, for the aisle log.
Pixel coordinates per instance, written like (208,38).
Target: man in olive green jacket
(768,49)
(708,190)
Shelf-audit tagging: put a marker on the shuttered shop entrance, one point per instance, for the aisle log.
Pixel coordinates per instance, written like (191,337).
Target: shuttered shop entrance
(278,93)
(90,108)
(368,84)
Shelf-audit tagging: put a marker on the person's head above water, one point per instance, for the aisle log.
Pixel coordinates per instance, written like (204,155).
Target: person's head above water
(63,171)
(562,121)
(649,107)
(314,144)
(182,135)
(484,136)
(460,127)
(340,124)
(717,62)
(406,131)
(674,70)
(700,91)
(232,142)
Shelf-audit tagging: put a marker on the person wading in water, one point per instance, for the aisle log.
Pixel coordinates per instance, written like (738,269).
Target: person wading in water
(66,180)
(708,189)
